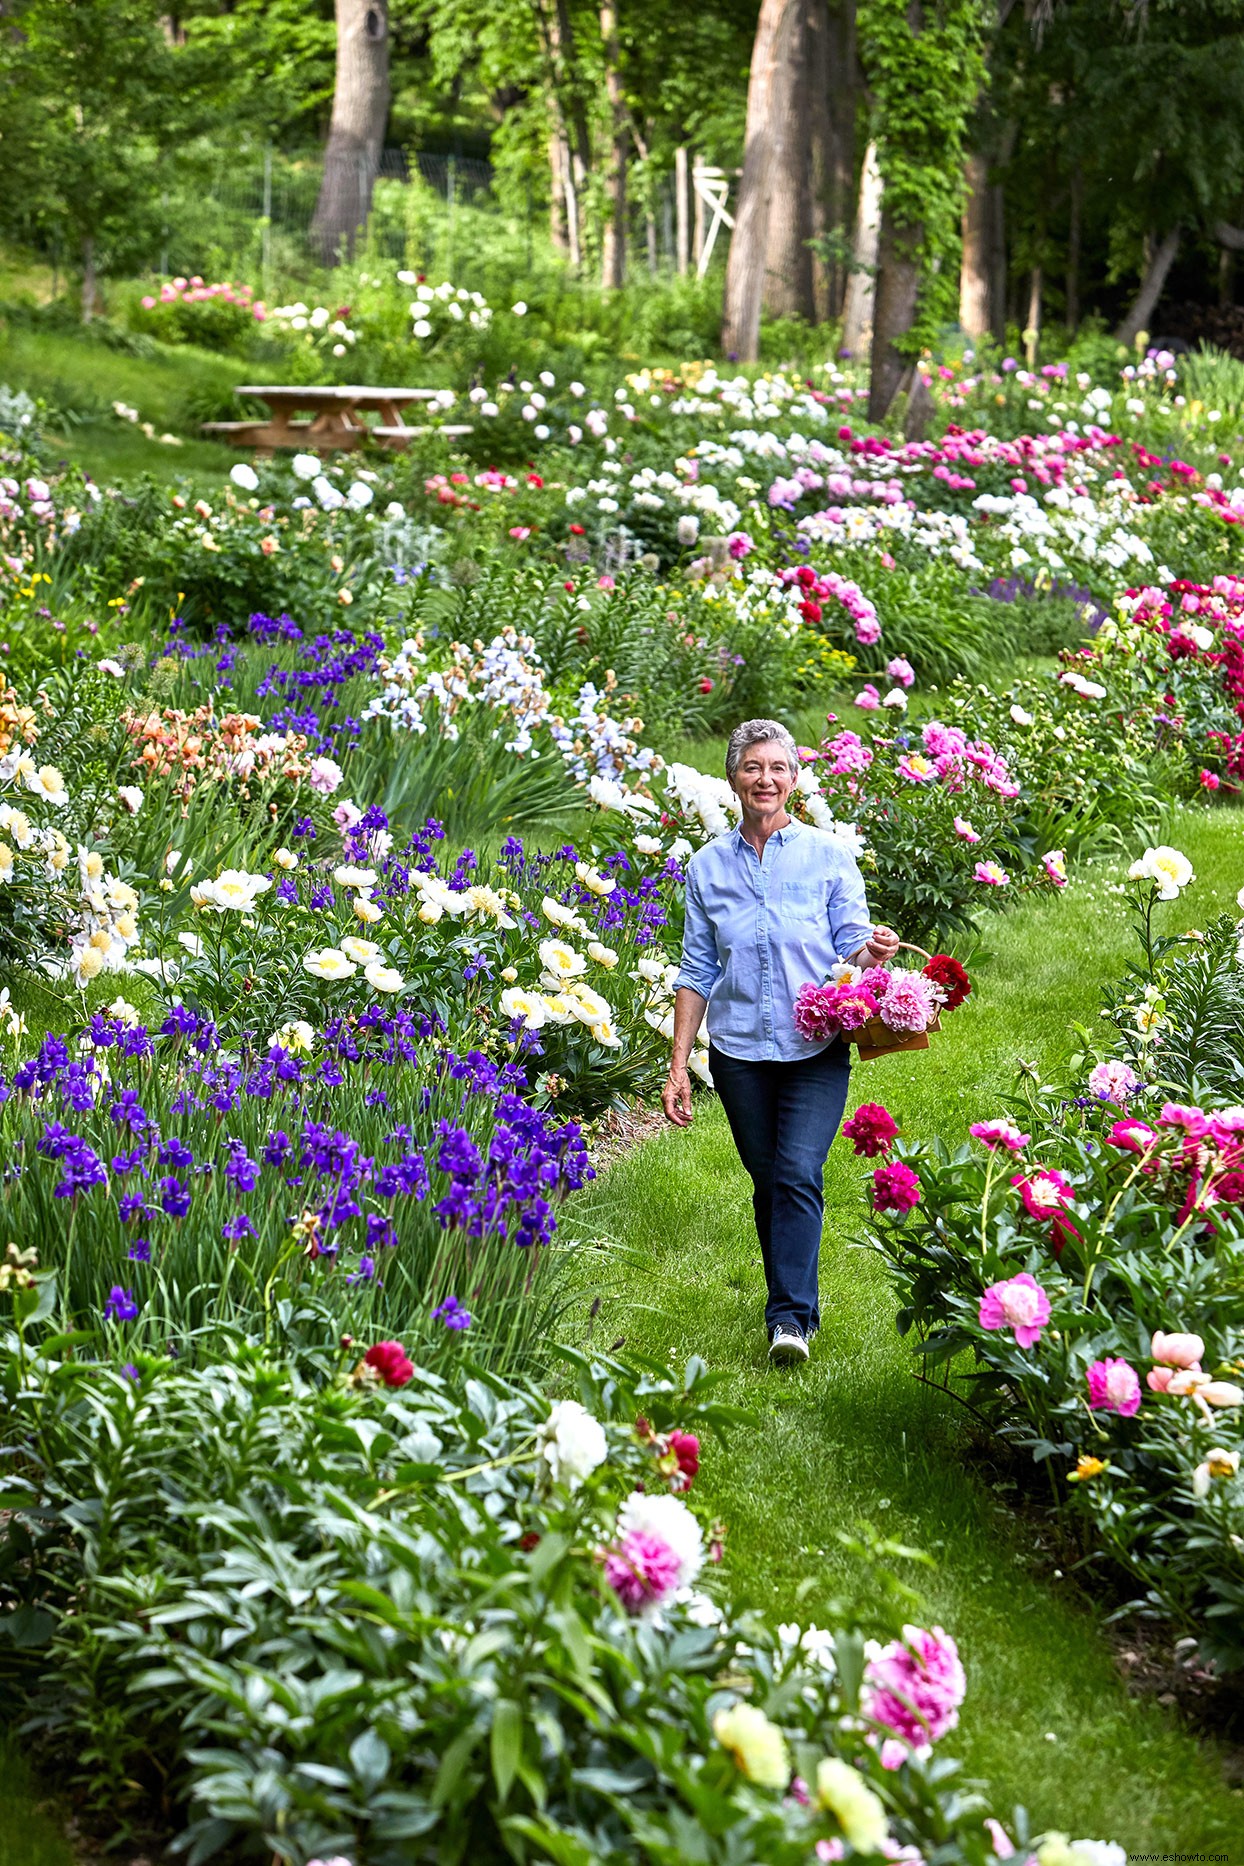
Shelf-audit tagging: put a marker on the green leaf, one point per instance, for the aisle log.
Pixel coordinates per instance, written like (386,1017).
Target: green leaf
(369,1758)
(506,1744)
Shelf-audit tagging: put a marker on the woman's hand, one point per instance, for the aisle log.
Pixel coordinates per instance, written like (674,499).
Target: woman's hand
(880,946)
(676,1096)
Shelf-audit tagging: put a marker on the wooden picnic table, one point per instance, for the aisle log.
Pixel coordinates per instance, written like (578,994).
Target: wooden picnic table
(325,418)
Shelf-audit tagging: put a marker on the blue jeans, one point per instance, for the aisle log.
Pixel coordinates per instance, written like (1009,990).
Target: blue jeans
(783,1117)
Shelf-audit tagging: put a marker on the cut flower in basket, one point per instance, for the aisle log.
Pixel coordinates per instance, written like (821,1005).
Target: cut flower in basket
(880,1009)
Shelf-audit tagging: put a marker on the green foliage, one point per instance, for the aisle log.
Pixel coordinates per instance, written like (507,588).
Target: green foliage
(316,1616)
(925,67)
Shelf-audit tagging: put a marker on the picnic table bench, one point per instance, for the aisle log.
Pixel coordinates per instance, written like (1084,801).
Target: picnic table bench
(332,421)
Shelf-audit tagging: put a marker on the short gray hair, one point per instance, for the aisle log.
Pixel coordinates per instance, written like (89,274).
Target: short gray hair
(760,732)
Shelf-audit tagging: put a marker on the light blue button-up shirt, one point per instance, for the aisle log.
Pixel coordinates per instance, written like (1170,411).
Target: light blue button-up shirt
(758,930)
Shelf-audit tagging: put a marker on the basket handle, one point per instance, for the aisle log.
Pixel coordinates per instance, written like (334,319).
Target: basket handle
(906,945)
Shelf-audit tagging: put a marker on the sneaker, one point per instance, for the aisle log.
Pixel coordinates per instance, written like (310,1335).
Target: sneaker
(788,1345)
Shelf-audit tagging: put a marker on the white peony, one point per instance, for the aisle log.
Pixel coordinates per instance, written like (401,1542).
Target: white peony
(244,476)
(573,1444)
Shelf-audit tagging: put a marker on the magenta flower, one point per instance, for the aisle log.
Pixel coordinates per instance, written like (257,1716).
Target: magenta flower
(816,1013)
(871,1129)
(643,1571)
(995,1134)
(1113,1081)
(1046,1193)
(1019,1303)
(1114,1386)
(854,1007)
(895,1188)
(915,1686)
(1131,1136)
(964,829)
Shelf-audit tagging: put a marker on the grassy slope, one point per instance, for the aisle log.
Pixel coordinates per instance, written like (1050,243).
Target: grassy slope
(83,379)
(1048,1722)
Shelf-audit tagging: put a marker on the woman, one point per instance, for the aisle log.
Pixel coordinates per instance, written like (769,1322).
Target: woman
(771,906)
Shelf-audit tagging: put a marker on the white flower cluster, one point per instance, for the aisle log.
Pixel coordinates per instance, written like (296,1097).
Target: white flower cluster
(314,324)
(506,678)
(435,307)
(103,912)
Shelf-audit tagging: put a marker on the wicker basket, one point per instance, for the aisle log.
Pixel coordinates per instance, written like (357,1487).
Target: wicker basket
(875,1038)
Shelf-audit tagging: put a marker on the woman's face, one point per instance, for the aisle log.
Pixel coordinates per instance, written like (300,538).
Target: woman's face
(763,780)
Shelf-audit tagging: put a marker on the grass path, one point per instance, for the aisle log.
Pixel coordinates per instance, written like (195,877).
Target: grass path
(1048,1721)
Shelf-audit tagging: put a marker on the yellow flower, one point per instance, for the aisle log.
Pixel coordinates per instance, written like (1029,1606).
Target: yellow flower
(844,1793)
(757,1746)
(1087,1468)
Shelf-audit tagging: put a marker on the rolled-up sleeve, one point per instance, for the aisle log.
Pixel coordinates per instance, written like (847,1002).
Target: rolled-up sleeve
(850,922)
(701,967)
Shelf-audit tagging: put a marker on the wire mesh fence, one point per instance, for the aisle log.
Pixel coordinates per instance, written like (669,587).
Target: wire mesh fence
(253,213)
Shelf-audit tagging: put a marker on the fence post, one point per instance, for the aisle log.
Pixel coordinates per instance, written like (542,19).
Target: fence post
(266,247)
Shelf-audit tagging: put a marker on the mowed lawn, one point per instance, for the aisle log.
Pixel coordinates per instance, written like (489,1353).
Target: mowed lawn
(854,1438)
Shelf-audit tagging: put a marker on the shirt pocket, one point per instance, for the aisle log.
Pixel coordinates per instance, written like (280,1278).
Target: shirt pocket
(804,901)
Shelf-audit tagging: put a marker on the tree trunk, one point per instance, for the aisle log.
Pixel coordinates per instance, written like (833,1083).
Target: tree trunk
(558,158)
(974,268)
(857,316)
(356,133)
(613,247)
(821,148)
(788,257)
(1071,313)
(745,268)
(894,310)
(88,279)
(1145,302)
(841,94)
(1032,327)
(681,216)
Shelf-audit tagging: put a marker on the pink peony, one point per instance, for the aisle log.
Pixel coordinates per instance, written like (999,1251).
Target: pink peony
(1114,1386)
(1176,1114)
(1019,1303)
(914,1687)
(964,829)
(992,874)
(1055,866)
(1187,1351)
(909,1006)
(901,670)
(643,1571)
(995,1134)
(868,698)
(871,1129)
(1113,1081)
(876,979)
(895,1188)
(1046,1193)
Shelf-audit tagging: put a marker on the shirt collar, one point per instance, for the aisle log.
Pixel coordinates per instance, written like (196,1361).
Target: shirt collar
(785,834)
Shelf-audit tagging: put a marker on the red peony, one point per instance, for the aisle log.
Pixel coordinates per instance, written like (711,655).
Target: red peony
(952,978)
(871,1129)
(686,1449)
(388,1359)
